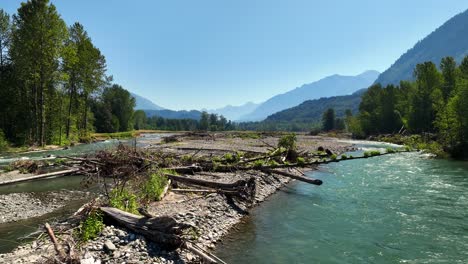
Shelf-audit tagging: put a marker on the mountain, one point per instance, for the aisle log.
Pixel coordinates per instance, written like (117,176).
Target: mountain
(311,111)
(145,104)
(329,86)
(171,114)
(450,39)
(235,112)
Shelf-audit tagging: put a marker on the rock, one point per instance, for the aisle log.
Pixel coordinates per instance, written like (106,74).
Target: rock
(109,246)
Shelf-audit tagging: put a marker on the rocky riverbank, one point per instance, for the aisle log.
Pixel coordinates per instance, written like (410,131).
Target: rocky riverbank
(19,206)
(213,214)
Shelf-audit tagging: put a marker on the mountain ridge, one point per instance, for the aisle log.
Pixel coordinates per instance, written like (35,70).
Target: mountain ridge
(447,40)
(333,85)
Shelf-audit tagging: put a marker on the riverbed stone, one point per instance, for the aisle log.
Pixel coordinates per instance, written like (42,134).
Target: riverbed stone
(109,246)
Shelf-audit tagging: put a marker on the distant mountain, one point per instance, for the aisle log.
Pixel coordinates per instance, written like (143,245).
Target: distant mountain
(311,111)
(329,86)
(451,39)
(235,112)
(145,104)
(171,114)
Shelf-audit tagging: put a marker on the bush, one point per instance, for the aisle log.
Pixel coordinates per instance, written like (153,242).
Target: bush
(231,158)
(123,199)
(333,157)
(372,153)
(92,226)
(390,150)
(300,161)
(3,142)
(343,157)
(153,188)
(288,142)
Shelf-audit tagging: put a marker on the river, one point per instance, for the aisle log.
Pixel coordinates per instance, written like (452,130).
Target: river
(402,208)
(14,233)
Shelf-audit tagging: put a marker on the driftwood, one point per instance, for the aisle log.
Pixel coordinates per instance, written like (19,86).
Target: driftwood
(244,189)
(204,191)
(40,176)
(296,177)
(162,230)
(57,246)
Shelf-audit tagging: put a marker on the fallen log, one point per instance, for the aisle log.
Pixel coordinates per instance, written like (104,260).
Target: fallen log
(41,176)
(204,191)
(295,177)
(244,189)
(162,230)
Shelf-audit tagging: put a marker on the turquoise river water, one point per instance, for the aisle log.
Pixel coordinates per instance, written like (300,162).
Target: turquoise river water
(402,208)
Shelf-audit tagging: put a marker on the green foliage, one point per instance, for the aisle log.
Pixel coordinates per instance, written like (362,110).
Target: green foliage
(288,142)
(91,227)
(152,189)
(301,161)
(372,153)
(434,106)
(333,157)
(123,199)
(231,158)
(344,156)
(390,150)
(3,142)
(258,163)
(328,119)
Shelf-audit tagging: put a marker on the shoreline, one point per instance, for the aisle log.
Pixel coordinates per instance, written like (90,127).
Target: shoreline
(213,215)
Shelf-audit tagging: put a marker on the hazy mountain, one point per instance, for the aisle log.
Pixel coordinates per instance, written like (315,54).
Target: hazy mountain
(171,114)
(311,111)
(145,104)
(451,39)
(329,86)
(234,112)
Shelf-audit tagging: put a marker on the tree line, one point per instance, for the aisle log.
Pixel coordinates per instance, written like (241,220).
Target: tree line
(54,88)
(435,104)
(207,122)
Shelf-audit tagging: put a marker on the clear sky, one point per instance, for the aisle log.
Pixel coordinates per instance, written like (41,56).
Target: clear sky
(197,54)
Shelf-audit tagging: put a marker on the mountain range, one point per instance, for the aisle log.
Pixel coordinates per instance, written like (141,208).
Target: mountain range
(450,39)
(311,111)
(234,112)
(333,85)
(145,104)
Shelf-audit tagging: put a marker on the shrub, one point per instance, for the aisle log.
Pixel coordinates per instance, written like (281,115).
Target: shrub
(92,226)
(288,142)
(390,150)
(231,158)
(123,199)
(153,188)
(344,157)
(333,157)
(3,142)
(300,161)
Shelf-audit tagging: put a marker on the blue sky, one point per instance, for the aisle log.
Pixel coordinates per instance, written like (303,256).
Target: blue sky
(210,53)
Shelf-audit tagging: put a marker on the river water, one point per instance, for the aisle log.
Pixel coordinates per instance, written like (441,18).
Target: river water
(14,233)
(402,208)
